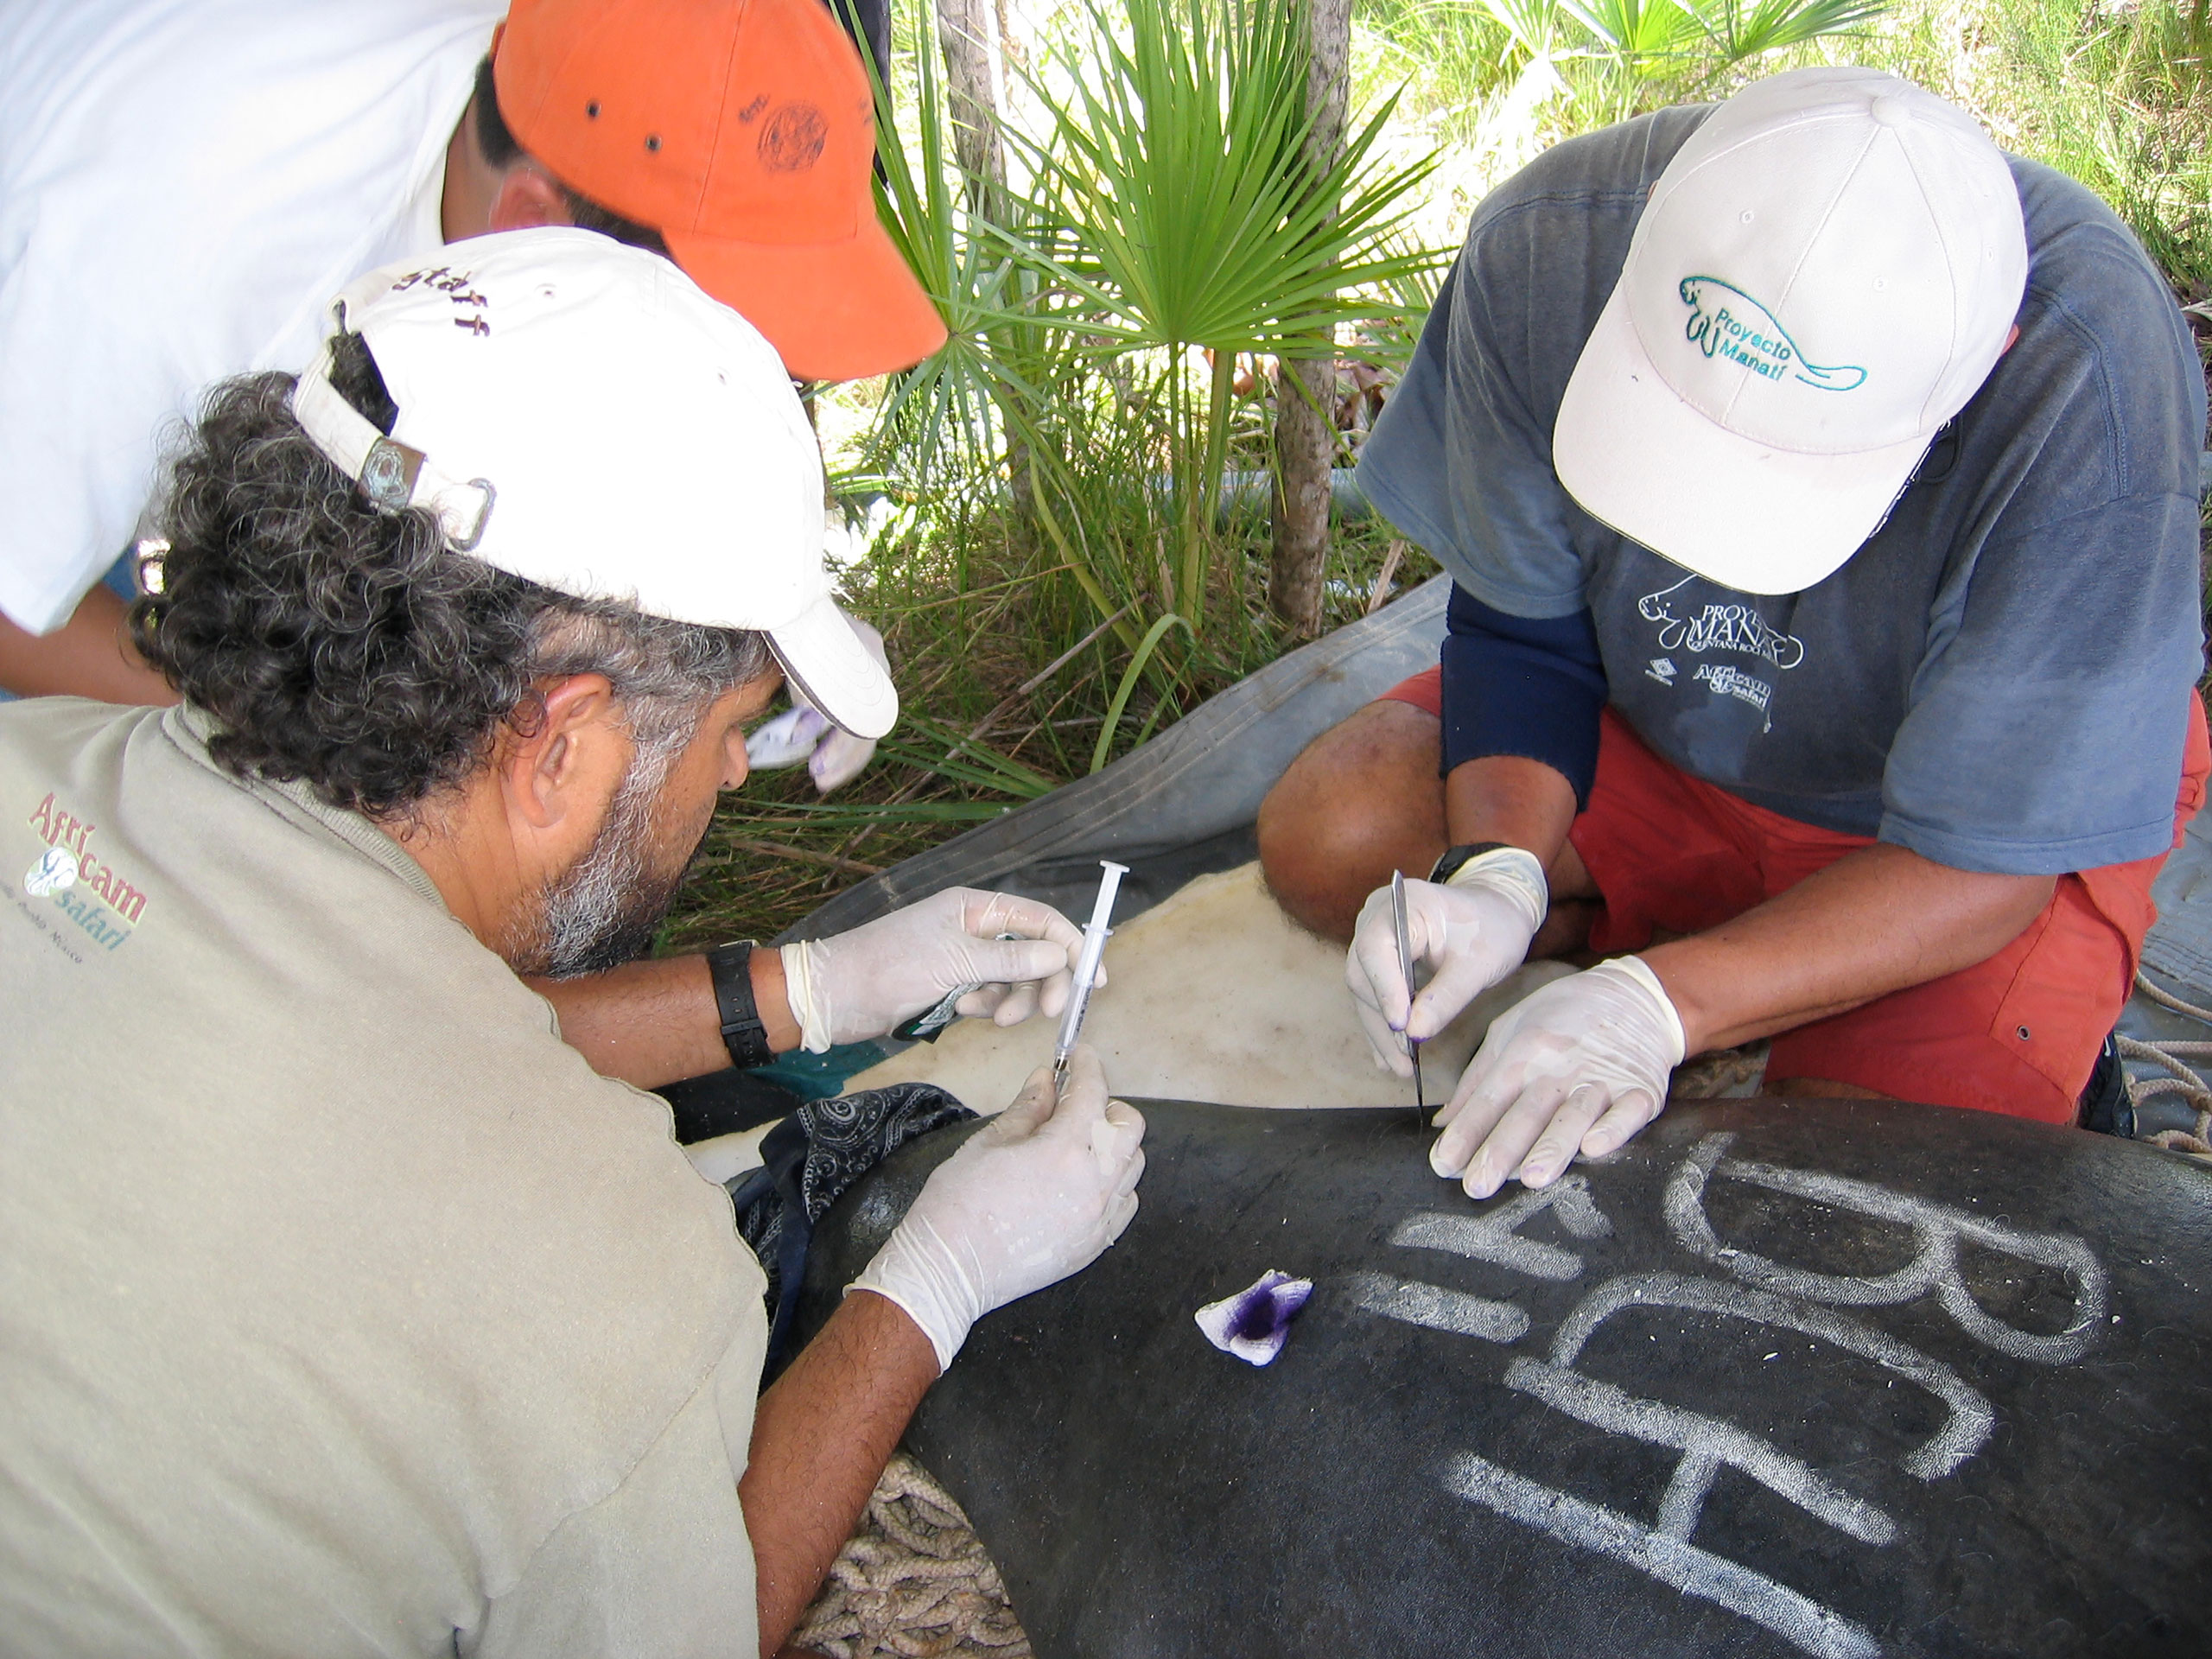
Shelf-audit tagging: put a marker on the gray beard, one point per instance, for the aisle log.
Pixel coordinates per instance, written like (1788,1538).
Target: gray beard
(605,910)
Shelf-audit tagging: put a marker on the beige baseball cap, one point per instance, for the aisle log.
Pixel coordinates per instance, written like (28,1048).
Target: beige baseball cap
(1823,276)
(580,414)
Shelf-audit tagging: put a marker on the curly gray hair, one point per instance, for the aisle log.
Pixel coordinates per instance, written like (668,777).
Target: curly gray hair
(352,648)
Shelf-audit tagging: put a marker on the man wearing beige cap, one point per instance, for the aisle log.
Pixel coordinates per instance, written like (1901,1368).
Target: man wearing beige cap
(1819,486)
(183,184)
(346,1310)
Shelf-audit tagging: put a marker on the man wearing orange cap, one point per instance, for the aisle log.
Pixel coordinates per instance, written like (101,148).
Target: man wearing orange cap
(184,182)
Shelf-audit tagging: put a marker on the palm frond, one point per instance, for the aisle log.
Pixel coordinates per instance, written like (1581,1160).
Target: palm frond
(1740,32)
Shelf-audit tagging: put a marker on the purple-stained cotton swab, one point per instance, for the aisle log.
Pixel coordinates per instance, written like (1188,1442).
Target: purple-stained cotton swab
(1254,1324)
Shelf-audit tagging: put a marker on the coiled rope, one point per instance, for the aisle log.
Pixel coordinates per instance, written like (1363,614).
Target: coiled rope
(913,1581)
(2175,1058)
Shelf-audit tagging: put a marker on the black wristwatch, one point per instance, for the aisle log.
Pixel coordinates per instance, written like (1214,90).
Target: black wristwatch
(1457,858)
(730,966)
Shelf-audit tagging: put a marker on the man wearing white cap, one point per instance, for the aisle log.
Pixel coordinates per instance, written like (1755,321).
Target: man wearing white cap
(348,1311)
(1819,484)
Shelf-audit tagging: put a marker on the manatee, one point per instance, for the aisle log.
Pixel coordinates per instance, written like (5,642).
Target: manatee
(1779,1378)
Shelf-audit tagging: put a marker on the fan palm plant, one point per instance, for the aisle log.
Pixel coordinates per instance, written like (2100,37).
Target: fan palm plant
(1174,214)
(1738,32)
(1647,52)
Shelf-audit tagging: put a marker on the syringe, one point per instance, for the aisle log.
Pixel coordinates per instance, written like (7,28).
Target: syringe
(1086,967)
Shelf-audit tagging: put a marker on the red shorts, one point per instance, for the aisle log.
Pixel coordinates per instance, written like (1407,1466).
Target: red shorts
(2018,1033)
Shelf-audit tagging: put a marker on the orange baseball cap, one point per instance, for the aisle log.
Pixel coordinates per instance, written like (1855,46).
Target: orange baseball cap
(744,132)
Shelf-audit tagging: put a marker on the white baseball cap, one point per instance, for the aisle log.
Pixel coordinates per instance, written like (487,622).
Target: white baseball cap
(1823,276)
(580,414)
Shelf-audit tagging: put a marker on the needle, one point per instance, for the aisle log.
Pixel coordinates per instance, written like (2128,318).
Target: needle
(1406,967)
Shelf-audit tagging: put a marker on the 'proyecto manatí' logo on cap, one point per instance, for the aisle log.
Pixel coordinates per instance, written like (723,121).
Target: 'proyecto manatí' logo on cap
(1746,331)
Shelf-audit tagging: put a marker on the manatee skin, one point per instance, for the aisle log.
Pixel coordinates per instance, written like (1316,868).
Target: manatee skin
(1829,1377)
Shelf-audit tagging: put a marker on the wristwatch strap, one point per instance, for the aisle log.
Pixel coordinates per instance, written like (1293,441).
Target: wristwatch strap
(730,966)
(1456,857)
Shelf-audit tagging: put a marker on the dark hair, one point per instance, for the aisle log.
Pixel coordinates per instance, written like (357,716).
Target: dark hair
(497,142)
(352,648)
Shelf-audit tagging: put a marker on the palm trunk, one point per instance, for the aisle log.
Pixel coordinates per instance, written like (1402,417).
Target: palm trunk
(963,30)
(1305,435)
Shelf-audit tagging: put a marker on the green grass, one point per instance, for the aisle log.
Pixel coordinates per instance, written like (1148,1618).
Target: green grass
(974,602)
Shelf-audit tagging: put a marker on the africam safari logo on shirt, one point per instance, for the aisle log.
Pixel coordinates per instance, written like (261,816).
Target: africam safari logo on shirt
(69,875)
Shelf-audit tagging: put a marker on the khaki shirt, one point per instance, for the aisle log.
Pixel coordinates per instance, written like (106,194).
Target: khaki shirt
(343,1308)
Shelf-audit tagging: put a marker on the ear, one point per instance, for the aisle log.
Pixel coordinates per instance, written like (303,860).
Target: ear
(559,780)
(527,196)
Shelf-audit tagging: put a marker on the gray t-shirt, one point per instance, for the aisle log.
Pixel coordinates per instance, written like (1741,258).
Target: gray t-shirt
(1997,680)
(344,1310)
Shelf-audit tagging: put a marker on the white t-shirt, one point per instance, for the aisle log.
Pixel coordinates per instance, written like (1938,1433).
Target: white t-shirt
(183,186)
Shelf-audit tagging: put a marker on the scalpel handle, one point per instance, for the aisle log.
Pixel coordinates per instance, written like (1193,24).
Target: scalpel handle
(1406,968)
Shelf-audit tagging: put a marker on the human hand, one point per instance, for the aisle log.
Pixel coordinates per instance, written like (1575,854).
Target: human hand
(802,732)
(1037,1194)
(1580,1065)
(1469,932)
(865,982)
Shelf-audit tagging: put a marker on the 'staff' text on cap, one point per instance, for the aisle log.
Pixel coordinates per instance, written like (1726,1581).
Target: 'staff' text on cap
(580,414)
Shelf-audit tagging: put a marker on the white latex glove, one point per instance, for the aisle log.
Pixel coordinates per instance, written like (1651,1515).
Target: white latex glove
(862,983)
(1034,1196)
(802,732)
(1580,1065)
(1469,933)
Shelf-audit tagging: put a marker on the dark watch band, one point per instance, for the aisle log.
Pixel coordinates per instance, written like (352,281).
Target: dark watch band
(1456,857)
(730,966)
